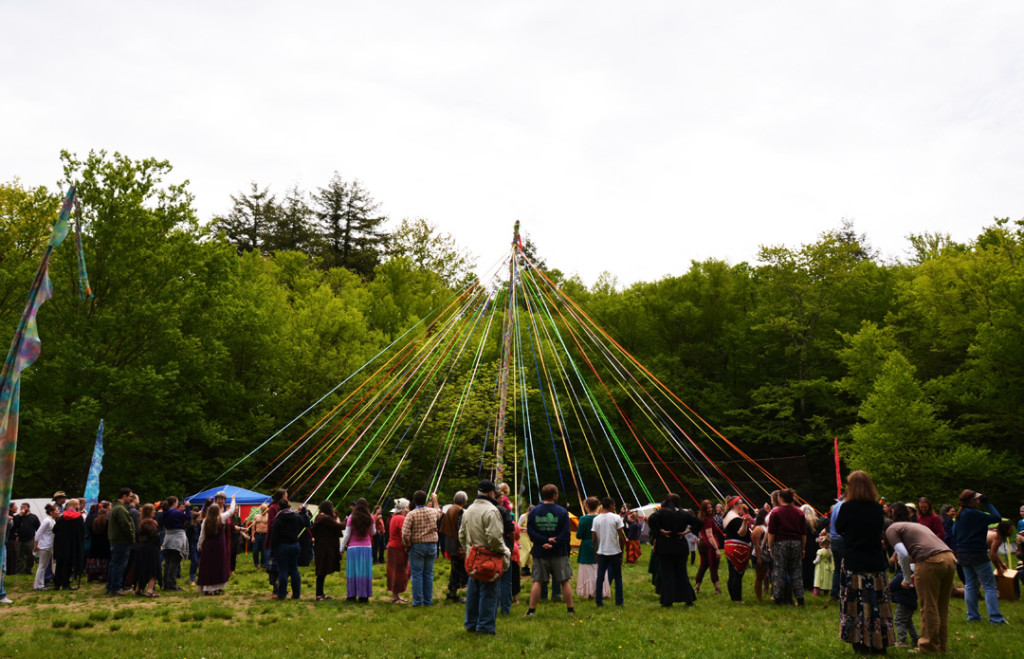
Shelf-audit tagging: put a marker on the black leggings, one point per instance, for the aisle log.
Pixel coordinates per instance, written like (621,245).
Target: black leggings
(320,578)
(708,559)
(735,583)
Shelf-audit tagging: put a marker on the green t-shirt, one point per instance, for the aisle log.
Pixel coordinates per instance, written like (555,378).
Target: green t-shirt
(583,532)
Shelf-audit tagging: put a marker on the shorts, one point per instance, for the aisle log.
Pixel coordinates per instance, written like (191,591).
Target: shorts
(551,566)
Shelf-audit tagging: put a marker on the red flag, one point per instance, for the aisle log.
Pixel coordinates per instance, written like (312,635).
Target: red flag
(839,479)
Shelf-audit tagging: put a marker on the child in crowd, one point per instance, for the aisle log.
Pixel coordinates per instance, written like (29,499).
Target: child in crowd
(823,566)
(905,600)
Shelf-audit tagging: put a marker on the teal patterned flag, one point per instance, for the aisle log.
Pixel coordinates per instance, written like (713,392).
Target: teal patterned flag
(24,350)
(92,484)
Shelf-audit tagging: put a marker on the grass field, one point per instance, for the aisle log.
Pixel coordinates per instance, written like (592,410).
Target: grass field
(246,623)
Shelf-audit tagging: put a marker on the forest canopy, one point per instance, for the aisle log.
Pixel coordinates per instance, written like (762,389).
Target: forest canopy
(202,340)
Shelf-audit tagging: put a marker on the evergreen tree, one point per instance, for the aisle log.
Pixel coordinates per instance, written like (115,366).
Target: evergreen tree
(351,228)
(293,226)
(251,221)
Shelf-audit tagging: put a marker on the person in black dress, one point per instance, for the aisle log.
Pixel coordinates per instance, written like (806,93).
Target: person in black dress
(668,533)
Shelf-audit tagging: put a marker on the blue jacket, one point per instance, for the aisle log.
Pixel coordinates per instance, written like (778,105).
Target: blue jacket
(900,595)
(971,528)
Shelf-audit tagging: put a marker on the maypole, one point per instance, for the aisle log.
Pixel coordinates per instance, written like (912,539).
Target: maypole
(506,358)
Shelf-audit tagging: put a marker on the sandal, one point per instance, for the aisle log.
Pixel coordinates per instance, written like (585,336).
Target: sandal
(151,594)
(321,598)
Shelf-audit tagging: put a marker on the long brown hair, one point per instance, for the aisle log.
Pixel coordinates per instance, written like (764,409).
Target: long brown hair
(859,487)
(360,519)
(706,509)
(212,523)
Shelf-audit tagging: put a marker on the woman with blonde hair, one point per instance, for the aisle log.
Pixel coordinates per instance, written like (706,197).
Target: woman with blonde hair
(865,611)
(810,545)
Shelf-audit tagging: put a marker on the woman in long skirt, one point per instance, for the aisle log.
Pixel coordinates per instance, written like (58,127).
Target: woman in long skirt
(147,553)
(214,561)
(398,555)
(865,612)
(97,556)
(358,542)
(586,559)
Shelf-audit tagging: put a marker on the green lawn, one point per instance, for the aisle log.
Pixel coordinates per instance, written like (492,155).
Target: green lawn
(246,623)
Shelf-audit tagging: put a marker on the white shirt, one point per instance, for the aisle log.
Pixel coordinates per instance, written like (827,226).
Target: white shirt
(606,533)
(44,534)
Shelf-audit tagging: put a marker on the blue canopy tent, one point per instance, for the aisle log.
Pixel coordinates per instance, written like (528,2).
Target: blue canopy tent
(245,499)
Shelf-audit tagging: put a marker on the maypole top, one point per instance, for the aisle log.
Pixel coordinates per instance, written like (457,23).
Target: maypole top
(516,240)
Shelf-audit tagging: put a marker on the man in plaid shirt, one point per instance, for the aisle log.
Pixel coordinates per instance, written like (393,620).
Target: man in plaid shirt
(419,535)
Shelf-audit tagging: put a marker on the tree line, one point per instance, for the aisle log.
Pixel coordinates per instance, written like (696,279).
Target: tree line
(202,340)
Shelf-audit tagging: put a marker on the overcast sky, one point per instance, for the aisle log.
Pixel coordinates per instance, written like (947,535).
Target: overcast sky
(627,137)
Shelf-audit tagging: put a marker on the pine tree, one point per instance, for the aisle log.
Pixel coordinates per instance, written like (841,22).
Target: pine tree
(350,226)
(250,221)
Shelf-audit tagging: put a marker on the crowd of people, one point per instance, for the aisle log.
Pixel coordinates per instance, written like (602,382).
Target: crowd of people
(880,561)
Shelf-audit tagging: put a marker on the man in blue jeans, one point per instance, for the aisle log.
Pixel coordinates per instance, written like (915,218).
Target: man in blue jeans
(419,535)
(971,533)
(121,533)
(609,540)
(483,528)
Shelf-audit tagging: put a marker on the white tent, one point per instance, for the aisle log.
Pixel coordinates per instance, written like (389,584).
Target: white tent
(37,506)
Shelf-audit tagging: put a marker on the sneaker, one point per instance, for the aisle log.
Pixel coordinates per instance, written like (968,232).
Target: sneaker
(530,614)
(6,600)
(1004,621)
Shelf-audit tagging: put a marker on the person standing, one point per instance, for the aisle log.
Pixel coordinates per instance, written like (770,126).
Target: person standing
(380,539)
(284,537)
(121,534)
(26,535)
(865,607)
(43,545)
(450,522)
(668,536)
(398,555)
(11,539)
(175,542)
(709,546)
(548,528)
(271,563)
(787,529)
(970,531)
(326,531)
(419,536)
(586,559)
(737,546)
(838,547)
(609,542)
(483,528)
(934,569)
(926,515)
(147,553)
(259,537)
(358,542)
(97,557)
